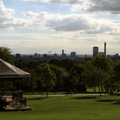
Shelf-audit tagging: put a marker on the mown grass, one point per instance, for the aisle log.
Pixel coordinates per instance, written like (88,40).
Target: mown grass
(68,108)
(91,90)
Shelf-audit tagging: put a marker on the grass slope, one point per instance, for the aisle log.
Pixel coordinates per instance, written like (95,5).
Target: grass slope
(68,108)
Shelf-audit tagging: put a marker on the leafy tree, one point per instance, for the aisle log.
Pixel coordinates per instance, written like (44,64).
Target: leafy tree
(30,83)
(33,64)
(93,76)
(5,54)
(46,76)
(113,83)
(76,77)
(65,63)
(61,76)
(105,64)
(88,59)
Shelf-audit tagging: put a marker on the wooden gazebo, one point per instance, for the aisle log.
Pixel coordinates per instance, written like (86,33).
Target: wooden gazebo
(10,72)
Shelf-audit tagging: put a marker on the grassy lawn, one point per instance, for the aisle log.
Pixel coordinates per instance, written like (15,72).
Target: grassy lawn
(68,108)
(91,90)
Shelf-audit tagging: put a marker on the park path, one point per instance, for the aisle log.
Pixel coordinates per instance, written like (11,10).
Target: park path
(63,95)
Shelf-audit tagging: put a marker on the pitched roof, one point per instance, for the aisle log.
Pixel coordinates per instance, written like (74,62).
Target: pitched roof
(9,71)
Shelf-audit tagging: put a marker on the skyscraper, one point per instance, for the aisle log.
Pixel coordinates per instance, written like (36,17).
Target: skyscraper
(95,51)
(105,48)
(73,55)
(62,52)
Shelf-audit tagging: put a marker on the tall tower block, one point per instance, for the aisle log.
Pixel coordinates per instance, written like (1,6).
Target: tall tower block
(105,48)
(62,52)
(95,51)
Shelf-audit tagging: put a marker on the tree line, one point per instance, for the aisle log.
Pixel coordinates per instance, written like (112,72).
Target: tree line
(67,75)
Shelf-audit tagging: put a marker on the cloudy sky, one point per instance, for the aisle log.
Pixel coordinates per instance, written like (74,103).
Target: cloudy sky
(39,26)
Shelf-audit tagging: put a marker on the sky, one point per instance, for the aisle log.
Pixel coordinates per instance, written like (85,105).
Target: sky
(40,26)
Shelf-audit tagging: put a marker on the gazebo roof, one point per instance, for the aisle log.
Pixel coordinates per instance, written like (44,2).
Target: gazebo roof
(9,71)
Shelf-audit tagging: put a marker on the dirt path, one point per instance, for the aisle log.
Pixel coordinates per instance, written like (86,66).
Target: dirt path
(63,95)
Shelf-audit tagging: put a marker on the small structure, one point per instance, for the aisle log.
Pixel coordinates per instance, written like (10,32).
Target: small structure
(9,71)
(12,73)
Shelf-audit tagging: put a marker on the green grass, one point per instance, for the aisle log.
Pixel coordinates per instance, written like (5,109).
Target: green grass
(68,108)
(91,90)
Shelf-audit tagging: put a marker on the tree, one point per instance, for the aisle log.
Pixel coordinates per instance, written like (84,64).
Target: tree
(5,54)
(76,77)
(113,83)
(93,76)
(46,76)
(61,76)
(65,63)
(31,82)
(105,64)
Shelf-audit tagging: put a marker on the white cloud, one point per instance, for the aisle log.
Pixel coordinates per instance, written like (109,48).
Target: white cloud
(5,11)
(7,20)
(57,22)
(71,23)
(75,8)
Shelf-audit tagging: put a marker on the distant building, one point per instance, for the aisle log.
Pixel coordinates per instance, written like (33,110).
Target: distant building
(18,55)
(105,48)
(85,56)
(73,55)
(63,54)
(36,55)
(116,55)
(101,53)
(30,56)
(45,56)
(55,56)
(95,51)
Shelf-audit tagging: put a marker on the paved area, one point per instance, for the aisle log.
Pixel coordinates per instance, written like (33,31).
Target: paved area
(10,105)
(62,95)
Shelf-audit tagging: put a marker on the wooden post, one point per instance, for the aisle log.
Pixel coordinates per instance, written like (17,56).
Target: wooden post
(13,89)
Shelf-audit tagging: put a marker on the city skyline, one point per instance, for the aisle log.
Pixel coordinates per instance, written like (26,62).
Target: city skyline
(37,26)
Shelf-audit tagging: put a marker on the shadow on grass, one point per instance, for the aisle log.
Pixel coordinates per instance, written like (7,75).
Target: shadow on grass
(117,102)
(106,100)
(115,94)
(85,97)
(36,98)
